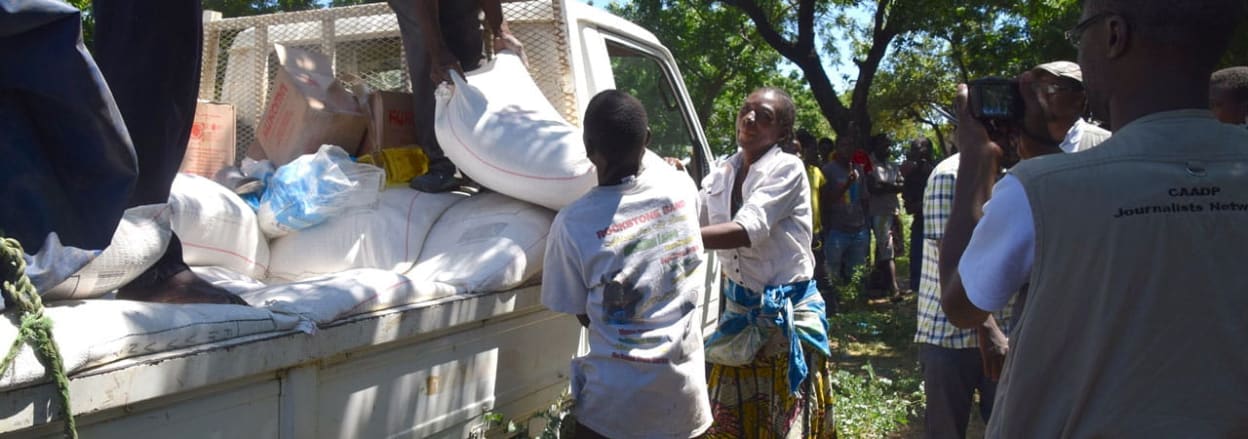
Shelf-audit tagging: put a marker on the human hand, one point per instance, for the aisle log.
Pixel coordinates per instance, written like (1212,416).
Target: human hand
(442,64)
(993,347)
(853,175)
(505,40)
(973,141)
(675,162)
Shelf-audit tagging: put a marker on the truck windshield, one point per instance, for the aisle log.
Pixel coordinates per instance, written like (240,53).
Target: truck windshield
(641,75)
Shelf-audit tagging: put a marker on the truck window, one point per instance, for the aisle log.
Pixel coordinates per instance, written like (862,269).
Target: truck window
(641,75)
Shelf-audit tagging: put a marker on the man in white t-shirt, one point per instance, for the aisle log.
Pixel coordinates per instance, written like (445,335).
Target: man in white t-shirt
(627,260)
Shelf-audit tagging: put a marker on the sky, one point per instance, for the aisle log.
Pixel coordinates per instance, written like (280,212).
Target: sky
(836,69)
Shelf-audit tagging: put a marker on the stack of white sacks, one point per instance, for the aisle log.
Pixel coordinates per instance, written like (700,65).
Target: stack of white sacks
(401,246)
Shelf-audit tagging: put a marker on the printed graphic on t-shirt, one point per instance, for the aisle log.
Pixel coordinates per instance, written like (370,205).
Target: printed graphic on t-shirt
(660,252)
(620,299)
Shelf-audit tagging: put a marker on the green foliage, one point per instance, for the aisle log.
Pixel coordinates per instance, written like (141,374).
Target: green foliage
(872,406)
(914,79)
(643,78)
(88,21)
(558,419)
(718,76)
(855,290)
(871,402)
(910,53)
(1237,55)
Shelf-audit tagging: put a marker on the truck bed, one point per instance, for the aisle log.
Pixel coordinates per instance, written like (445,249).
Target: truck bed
(420,370)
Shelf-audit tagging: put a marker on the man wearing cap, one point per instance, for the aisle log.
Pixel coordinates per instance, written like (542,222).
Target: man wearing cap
(1055,104)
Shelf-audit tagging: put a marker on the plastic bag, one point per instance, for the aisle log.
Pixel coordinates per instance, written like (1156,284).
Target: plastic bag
(308,190)
(401,164)
(261,170)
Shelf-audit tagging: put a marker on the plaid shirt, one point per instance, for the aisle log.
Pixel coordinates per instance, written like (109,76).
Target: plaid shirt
(933,326)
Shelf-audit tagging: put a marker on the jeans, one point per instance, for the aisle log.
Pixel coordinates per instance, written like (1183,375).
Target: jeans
(844,252)
(950,379)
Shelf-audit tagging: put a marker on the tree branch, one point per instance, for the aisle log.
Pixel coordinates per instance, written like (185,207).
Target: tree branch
(764,26)
(881,36)
(806,58)
(806,26)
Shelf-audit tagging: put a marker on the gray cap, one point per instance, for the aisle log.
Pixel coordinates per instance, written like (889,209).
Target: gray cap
(1062,69)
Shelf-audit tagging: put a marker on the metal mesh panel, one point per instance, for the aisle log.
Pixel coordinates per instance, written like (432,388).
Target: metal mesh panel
(364,42)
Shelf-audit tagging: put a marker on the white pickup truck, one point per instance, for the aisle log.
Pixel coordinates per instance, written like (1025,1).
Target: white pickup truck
(428,368)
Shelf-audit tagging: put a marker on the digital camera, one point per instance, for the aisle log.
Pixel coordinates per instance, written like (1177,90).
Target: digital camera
(995,100)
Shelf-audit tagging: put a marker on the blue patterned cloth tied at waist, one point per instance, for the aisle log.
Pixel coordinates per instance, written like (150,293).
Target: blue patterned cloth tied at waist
(796,308)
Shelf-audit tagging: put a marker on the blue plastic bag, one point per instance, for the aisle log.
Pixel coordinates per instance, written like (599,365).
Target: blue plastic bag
(314,187)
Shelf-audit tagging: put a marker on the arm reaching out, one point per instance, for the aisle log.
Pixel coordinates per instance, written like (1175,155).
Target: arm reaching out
(725,236)
(976,174)
(503,38)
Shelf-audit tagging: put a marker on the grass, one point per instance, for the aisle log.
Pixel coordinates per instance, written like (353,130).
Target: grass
(879,390)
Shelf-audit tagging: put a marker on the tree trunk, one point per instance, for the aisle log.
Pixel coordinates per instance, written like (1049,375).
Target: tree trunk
(803,53)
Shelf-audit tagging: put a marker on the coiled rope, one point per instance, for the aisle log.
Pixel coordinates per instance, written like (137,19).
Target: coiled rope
(35,328)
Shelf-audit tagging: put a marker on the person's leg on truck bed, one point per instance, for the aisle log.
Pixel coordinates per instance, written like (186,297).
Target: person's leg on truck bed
(149,53)
(461,32)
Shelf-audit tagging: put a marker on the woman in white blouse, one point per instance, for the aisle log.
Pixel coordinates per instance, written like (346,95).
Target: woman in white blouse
(769,374)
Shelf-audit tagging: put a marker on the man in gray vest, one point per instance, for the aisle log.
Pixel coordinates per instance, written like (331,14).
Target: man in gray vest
(1133,249)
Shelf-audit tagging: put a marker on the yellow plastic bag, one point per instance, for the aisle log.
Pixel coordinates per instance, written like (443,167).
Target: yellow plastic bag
(402,164)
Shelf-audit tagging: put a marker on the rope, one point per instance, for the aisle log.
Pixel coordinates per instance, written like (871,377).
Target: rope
(35,328)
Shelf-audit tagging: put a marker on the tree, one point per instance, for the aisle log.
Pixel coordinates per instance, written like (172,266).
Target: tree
(718,76)
(790,28)
(980,38)
(917,77)
(975,40)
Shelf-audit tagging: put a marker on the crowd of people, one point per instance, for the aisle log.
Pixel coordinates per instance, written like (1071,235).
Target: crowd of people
(854,197)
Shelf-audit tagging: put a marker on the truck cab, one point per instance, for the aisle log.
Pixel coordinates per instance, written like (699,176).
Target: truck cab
(426,369)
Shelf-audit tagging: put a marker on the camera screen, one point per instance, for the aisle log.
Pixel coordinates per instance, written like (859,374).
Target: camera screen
(996,101)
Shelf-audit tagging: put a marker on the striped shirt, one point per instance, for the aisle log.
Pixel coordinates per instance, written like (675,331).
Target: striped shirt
(933,326)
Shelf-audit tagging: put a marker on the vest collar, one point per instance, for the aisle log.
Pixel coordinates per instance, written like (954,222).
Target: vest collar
(1191,113)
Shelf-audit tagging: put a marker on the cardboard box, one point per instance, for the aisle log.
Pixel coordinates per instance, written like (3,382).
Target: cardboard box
(391,121)
(211,146)
(308,108)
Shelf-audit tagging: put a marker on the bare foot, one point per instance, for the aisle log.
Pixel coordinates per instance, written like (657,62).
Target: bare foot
(184,286)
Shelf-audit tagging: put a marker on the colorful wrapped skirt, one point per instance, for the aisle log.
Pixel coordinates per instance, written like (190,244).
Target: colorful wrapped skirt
(754,401)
